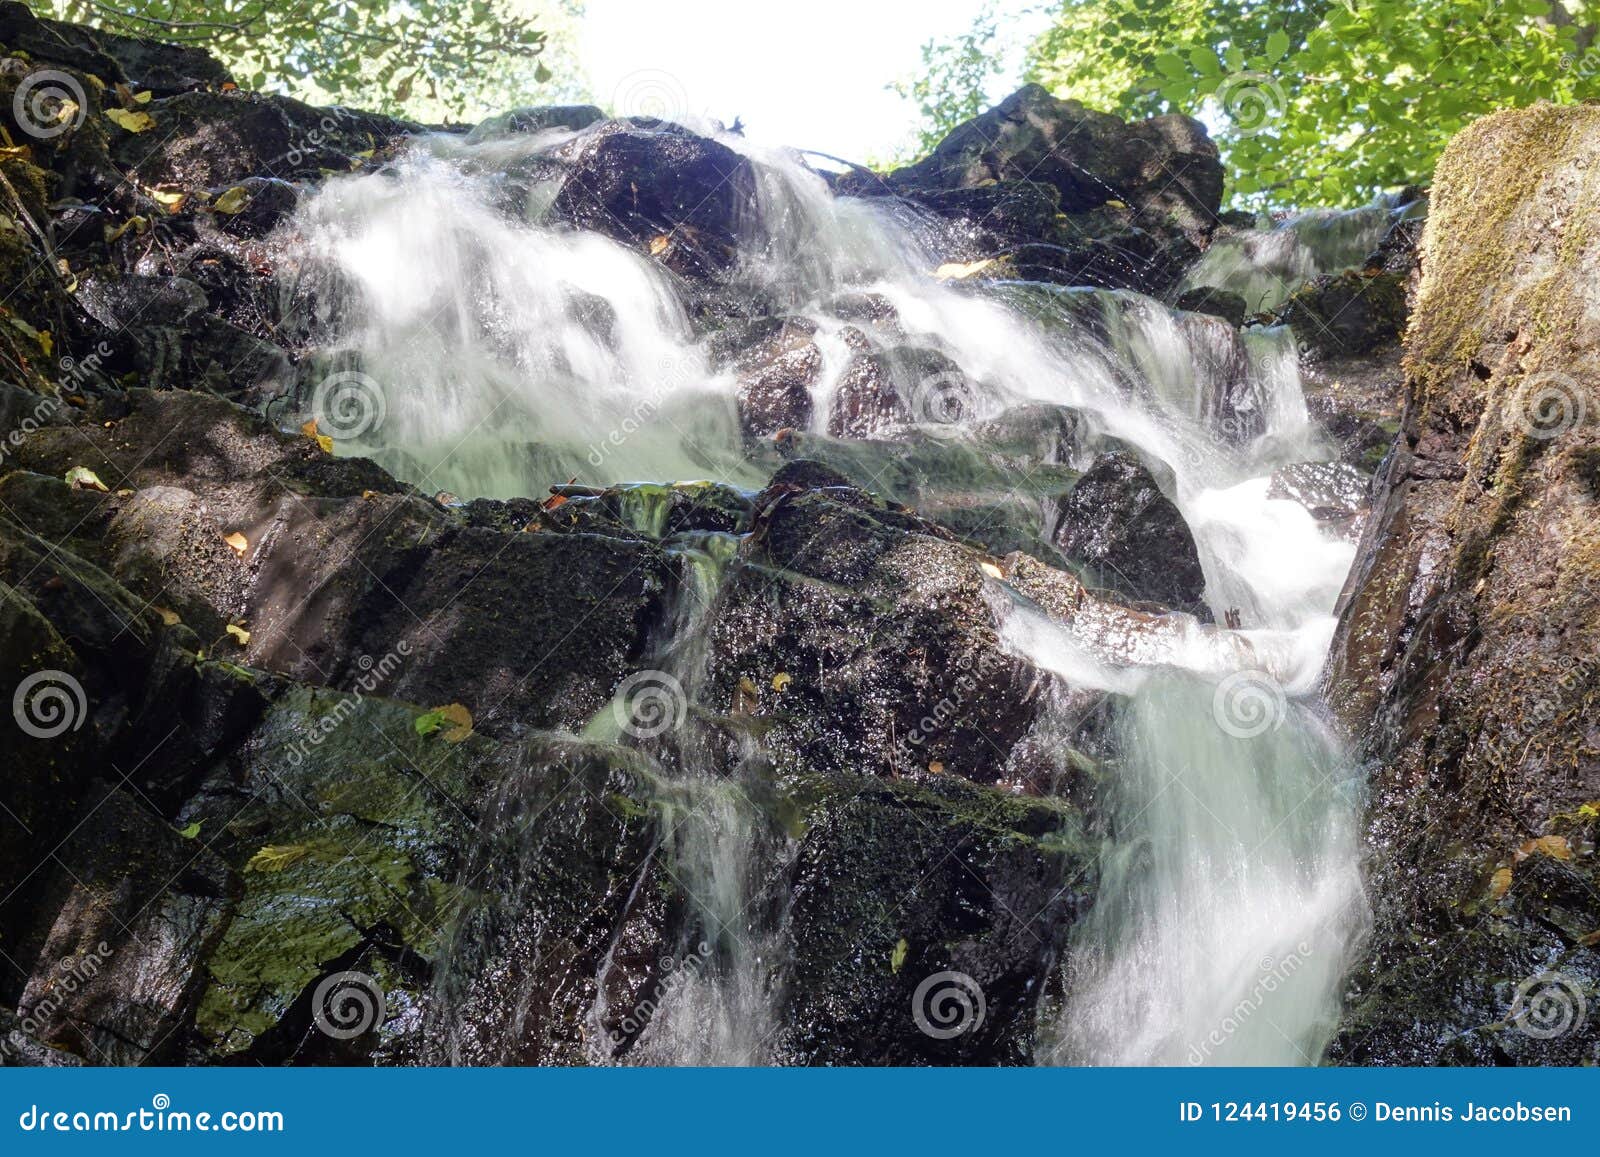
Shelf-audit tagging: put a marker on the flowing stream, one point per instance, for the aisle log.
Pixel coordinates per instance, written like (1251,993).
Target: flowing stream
(473,347)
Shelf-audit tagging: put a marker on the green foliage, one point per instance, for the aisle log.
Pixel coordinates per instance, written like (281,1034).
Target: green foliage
(1311,101)
(423,58)
(949,88)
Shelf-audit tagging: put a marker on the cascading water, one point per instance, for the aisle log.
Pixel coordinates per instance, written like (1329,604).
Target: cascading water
(503,353)
(1265,266)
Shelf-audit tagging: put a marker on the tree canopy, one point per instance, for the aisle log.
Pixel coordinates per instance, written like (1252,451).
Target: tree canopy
(1311,101)
(424,58)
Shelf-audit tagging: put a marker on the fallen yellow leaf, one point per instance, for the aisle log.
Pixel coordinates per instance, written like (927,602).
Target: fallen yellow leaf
(168,196)
(1499,883)
(956,270)
(238,541)
(460,719)
(232,201)
(240,634)
(781,680)
(169,617)
(310,431)
(137,223)
(1556,847)
(133,122)
(936,767)
(991,570)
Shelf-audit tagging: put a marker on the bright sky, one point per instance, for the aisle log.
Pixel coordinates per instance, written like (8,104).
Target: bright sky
(807,73)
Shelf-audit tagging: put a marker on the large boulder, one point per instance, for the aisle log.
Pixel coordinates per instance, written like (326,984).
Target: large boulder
(1067,194)
(1465,659)
(944,906)
(656,184)
(1129,536)
(1166,166)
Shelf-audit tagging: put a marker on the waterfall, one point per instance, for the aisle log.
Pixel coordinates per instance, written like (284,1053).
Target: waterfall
(479,348)
(1266,265)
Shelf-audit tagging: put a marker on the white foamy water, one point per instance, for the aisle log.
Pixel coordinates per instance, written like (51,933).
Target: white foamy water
(503,353)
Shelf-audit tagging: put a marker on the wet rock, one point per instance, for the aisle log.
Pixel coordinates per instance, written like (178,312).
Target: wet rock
(1011,209)
(539,119)
(1356,403)
(637,180)
(1464,661)
(146,64)
(135,906)
(20,1049)
(1230,307)
(881,391)
(344,826)
(568,907)
(1129,536)
(1334,493)
(1166,166)
(776,374)
(929,684)
(927,921)
(210,139)
(1350,313)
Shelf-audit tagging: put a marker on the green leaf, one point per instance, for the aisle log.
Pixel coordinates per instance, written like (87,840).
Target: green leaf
(898,957)
(1171,66)
(191,831)
(1277,45)
(428,722)
(1204,61)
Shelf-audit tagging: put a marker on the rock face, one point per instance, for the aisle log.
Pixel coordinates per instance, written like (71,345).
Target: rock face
(1076,196)
(1465,660)
(1165,166)
(1129,536)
